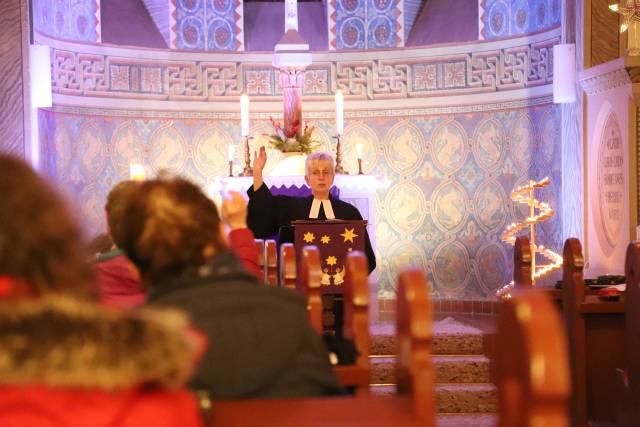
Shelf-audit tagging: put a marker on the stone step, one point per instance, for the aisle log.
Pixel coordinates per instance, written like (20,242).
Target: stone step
(448,369)
(456,398)
(459,344)
(466,420)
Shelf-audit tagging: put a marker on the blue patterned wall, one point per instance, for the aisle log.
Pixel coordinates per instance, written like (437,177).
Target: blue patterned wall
(365,24)
(450,178)
(76,20)
(210,25)
(507,18)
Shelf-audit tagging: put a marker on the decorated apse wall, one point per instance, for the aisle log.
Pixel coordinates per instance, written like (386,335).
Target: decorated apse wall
(509,18)
(449,174)
(77,20)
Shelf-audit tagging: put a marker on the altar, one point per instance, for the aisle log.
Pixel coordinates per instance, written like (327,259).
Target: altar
(359,190)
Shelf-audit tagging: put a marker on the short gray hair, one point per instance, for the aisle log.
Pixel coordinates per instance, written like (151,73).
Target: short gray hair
(316,157)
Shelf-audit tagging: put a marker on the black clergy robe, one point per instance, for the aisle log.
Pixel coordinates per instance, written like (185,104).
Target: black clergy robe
(267,213)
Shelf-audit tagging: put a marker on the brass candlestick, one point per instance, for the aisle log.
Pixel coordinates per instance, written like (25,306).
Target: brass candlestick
(359,166)
(248,170)
(230,167)
(339,169)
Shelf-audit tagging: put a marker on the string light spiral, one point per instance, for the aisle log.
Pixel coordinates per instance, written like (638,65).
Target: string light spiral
(538,212)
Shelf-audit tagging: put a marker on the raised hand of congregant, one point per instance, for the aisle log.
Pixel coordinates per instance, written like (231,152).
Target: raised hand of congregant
(234,210)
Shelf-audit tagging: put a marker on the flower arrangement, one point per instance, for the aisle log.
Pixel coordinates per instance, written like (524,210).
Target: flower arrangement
(292,140)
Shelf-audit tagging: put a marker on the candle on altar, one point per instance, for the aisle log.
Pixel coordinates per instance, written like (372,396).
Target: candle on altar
(339,98)
(230,152)
(136,172)
(244,115)
(359,151)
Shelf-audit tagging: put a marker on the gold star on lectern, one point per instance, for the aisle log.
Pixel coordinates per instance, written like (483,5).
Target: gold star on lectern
(308,237)
(349,235)
(331,260)
(325,239)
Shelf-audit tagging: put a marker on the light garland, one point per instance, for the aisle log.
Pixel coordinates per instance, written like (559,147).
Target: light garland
(525,194)
(630,11)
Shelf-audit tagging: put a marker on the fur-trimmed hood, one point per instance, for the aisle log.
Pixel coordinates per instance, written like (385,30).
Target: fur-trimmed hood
(58,341)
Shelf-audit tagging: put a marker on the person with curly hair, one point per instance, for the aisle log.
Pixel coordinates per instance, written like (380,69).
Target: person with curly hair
(261,341)
(120,287)
(66,360)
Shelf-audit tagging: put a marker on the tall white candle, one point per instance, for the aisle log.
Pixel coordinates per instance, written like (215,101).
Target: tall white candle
(359,150)
(339,112)
(244,114)
(136,172)
(230,152)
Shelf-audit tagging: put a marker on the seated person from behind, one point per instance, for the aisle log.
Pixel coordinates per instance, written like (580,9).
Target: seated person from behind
(261,341)
(267,213)
(66,359)
(119,285)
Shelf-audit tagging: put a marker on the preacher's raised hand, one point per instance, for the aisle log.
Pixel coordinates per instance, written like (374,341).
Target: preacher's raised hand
(259,160)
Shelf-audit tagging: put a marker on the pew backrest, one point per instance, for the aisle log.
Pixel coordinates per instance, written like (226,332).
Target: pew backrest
(414,368)
(522,263)
(531,362)
(632,330)
(261,258)
(288,266)
(310,277)
(271,262)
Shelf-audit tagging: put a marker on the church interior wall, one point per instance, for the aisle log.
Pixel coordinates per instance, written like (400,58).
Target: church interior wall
(452,128)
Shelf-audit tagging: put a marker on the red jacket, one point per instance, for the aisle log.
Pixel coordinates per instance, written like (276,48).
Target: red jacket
(41,406)
(81,364)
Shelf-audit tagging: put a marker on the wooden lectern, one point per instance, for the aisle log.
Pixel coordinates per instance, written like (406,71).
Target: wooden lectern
(334,240)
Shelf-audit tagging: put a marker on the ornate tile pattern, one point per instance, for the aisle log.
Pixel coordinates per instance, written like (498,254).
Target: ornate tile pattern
(450,176)
(209,25)
(508,18)
(520,66)
(77,20)
(365,24)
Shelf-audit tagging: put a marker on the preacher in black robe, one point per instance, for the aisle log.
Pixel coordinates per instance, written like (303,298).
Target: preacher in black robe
(267,213)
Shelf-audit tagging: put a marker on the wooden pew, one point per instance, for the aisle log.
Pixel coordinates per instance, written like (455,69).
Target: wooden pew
(311,275)
(261,258)
(595,332)
(356,323)
(356,315)
(412,406)
(288,266)
(629,397)
(271,262)
(531,362)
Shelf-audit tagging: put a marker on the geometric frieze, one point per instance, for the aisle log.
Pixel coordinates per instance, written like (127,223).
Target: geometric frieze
(391,75)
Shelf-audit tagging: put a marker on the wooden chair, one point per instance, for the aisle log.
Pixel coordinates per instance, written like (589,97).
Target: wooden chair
(271,262)
(595,332)
(261,258)
(311,275)
(531,363)
(629,396)
(412,406)
(288,266)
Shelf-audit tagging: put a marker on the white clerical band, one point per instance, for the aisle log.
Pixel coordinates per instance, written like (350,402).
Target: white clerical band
(315,209)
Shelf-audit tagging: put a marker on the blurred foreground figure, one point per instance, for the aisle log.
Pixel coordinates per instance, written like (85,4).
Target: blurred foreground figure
(65,360)
(261,341)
